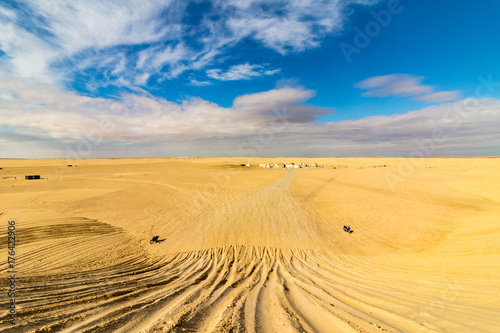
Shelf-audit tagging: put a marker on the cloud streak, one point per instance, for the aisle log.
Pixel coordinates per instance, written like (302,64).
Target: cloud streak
(240,72)
(404,85)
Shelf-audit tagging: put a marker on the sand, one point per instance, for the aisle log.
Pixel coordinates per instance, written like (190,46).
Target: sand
(249,249)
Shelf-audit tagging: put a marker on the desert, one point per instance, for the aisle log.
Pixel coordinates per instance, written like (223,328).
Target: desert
(250,249)
(260,166)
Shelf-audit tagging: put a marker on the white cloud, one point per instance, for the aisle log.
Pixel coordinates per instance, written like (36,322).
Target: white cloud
(53,38)
(273,98)
(287,26)
(142,79)
(99,24)
(441,96)
(197,83)
(7,13)
(86,29)
(394,84)
(281,34)
(137,118)
(404,85)
(29,57)
(120,66)
(240,72)
(169,55)
(58,120)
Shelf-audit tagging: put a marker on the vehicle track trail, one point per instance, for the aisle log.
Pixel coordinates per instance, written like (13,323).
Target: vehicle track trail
(263,251)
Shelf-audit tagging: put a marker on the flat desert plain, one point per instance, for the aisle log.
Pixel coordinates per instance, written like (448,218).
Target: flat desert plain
(249,249)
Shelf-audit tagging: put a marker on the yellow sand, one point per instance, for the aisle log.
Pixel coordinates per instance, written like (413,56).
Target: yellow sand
(250,249)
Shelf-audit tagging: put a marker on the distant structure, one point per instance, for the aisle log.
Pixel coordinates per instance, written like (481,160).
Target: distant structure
(32,177)
(290,165)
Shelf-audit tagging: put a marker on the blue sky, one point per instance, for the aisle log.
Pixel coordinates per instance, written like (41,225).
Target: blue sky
(249,78)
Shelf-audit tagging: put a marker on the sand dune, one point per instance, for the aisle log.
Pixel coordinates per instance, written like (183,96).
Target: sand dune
(248,249)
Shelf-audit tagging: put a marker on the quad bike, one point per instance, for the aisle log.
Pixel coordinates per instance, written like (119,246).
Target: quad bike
(348,229)
(155,239)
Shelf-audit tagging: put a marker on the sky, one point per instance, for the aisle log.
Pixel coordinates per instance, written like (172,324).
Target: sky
(254,78)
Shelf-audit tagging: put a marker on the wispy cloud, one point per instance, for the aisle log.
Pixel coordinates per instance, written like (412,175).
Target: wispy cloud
(127,41)
(50,32)
(404,85)
(287,26)
(240,72)
(58,119)
(441,96)
(198,83)
(7,13)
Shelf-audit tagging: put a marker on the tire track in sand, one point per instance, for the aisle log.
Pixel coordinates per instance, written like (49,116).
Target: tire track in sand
(81,275)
